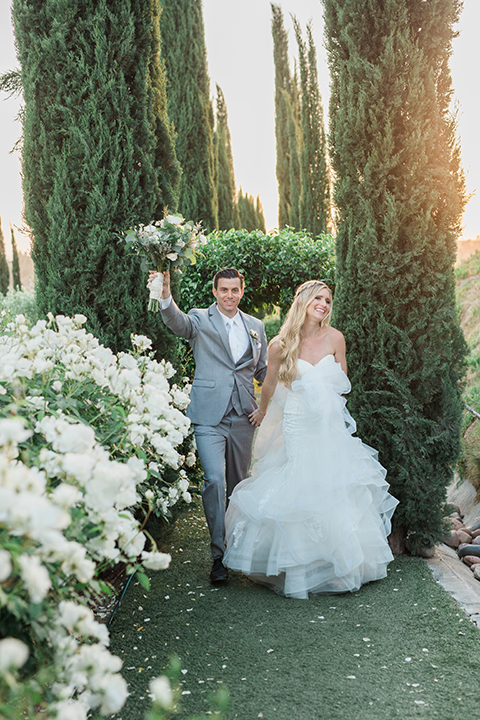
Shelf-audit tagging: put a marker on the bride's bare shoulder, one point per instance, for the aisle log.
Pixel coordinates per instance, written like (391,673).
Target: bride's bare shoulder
(274,348)
(334,333)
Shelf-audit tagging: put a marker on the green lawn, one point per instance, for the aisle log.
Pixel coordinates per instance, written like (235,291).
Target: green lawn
(398,648)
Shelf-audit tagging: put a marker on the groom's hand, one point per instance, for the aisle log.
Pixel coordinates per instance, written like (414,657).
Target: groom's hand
(166,285)
(166,282)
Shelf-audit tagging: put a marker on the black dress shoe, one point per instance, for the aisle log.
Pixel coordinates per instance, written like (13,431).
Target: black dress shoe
(219,572)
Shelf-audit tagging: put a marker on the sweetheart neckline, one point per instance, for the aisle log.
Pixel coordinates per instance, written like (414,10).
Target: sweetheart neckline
(317,363)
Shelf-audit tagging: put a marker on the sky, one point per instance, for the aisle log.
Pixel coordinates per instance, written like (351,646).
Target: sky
(240,59)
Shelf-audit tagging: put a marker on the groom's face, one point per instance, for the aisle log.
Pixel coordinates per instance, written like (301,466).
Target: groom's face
(228,293)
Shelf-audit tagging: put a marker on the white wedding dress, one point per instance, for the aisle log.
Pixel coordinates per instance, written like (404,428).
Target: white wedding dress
(315,515)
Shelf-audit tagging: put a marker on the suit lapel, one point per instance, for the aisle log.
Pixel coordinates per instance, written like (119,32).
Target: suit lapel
(249,326)
(219,326)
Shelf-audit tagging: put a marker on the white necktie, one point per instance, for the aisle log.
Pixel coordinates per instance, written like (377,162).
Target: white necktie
(231,339)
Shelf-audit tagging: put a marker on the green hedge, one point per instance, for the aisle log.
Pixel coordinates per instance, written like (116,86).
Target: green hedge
(274,265)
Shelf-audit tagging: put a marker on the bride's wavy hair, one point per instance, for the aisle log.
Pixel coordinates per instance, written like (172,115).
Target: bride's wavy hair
(291,332)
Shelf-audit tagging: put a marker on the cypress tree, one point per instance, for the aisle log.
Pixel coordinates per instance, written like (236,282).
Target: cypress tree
(286,126)
(250,213)
(16,281)
(315,210)
(400,194)
(4,272)
(260,216)
(98,156)
(294,132)
(190,107)
(225,175)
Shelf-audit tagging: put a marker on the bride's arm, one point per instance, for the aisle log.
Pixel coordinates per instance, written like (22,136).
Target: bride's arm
(269,384)
(340,349)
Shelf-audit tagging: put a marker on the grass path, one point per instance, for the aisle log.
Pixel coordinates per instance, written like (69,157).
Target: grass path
(398,648)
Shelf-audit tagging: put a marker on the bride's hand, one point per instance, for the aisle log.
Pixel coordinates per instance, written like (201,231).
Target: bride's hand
(256,418)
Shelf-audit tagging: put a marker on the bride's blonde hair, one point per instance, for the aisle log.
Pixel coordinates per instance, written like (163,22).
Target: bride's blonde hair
(291,332)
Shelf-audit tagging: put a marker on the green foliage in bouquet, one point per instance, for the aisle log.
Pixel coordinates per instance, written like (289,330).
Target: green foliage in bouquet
(167,244)
(400,195)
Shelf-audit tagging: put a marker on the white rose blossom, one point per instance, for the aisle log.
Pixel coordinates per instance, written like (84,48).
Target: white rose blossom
(141,342)
(156,560)
(35,576)
(13,654)
(162,692)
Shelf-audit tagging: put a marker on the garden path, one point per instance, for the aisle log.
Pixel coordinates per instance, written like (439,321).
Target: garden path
(400,647)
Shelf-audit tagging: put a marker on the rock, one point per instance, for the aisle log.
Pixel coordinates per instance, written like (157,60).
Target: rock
(469,550)
(475,533)
(458,524)
(428,552)
(476,541)
(450,509)
(471,560)
(476,572)
(475,525)
(464,536)
(452,541)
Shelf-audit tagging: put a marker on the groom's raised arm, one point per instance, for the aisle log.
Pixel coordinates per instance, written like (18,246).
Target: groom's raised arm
(177,321)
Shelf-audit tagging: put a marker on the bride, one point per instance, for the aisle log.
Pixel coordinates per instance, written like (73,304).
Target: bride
(315,515)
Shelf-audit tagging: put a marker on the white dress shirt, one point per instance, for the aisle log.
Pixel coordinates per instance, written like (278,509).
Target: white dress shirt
(237,334)
(165,303)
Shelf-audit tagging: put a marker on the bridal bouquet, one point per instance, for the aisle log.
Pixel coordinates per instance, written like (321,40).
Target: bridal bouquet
(167,243)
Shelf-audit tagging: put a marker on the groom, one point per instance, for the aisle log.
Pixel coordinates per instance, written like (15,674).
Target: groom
(230,349)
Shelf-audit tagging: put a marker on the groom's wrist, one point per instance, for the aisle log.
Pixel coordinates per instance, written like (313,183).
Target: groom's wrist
(165,302)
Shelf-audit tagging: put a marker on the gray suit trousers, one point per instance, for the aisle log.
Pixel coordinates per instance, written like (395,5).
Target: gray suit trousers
(225,452)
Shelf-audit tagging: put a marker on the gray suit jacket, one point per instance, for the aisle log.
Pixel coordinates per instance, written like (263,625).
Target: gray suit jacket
(216,372)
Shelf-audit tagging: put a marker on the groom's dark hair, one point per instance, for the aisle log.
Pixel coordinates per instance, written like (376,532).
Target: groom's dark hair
(229,273)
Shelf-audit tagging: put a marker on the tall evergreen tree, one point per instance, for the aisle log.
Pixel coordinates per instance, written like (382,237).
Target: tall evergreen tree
(225,174)
(190,107)
(250,213)
(315,203)
(286,126)
(400,194)
(16,281)
(98,156)
(260,216)
(4,272)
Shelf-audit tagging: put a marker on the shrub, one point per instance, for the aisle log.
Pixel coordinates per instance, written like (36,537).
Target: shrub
(88,439)
(18,302)
(274,265)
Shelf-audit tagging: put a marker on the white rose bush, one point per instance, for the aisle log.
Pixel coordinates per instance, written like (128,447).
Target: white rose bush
(91,444)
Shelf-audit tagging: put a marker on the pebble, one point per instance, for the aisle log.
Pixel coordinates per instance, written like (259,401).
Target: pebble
(452,540)
(466,541)
(471,559)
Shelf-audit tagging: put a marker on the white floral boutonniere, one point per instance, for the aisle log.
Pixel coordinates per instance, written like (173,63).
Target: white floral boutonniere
(255,339)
